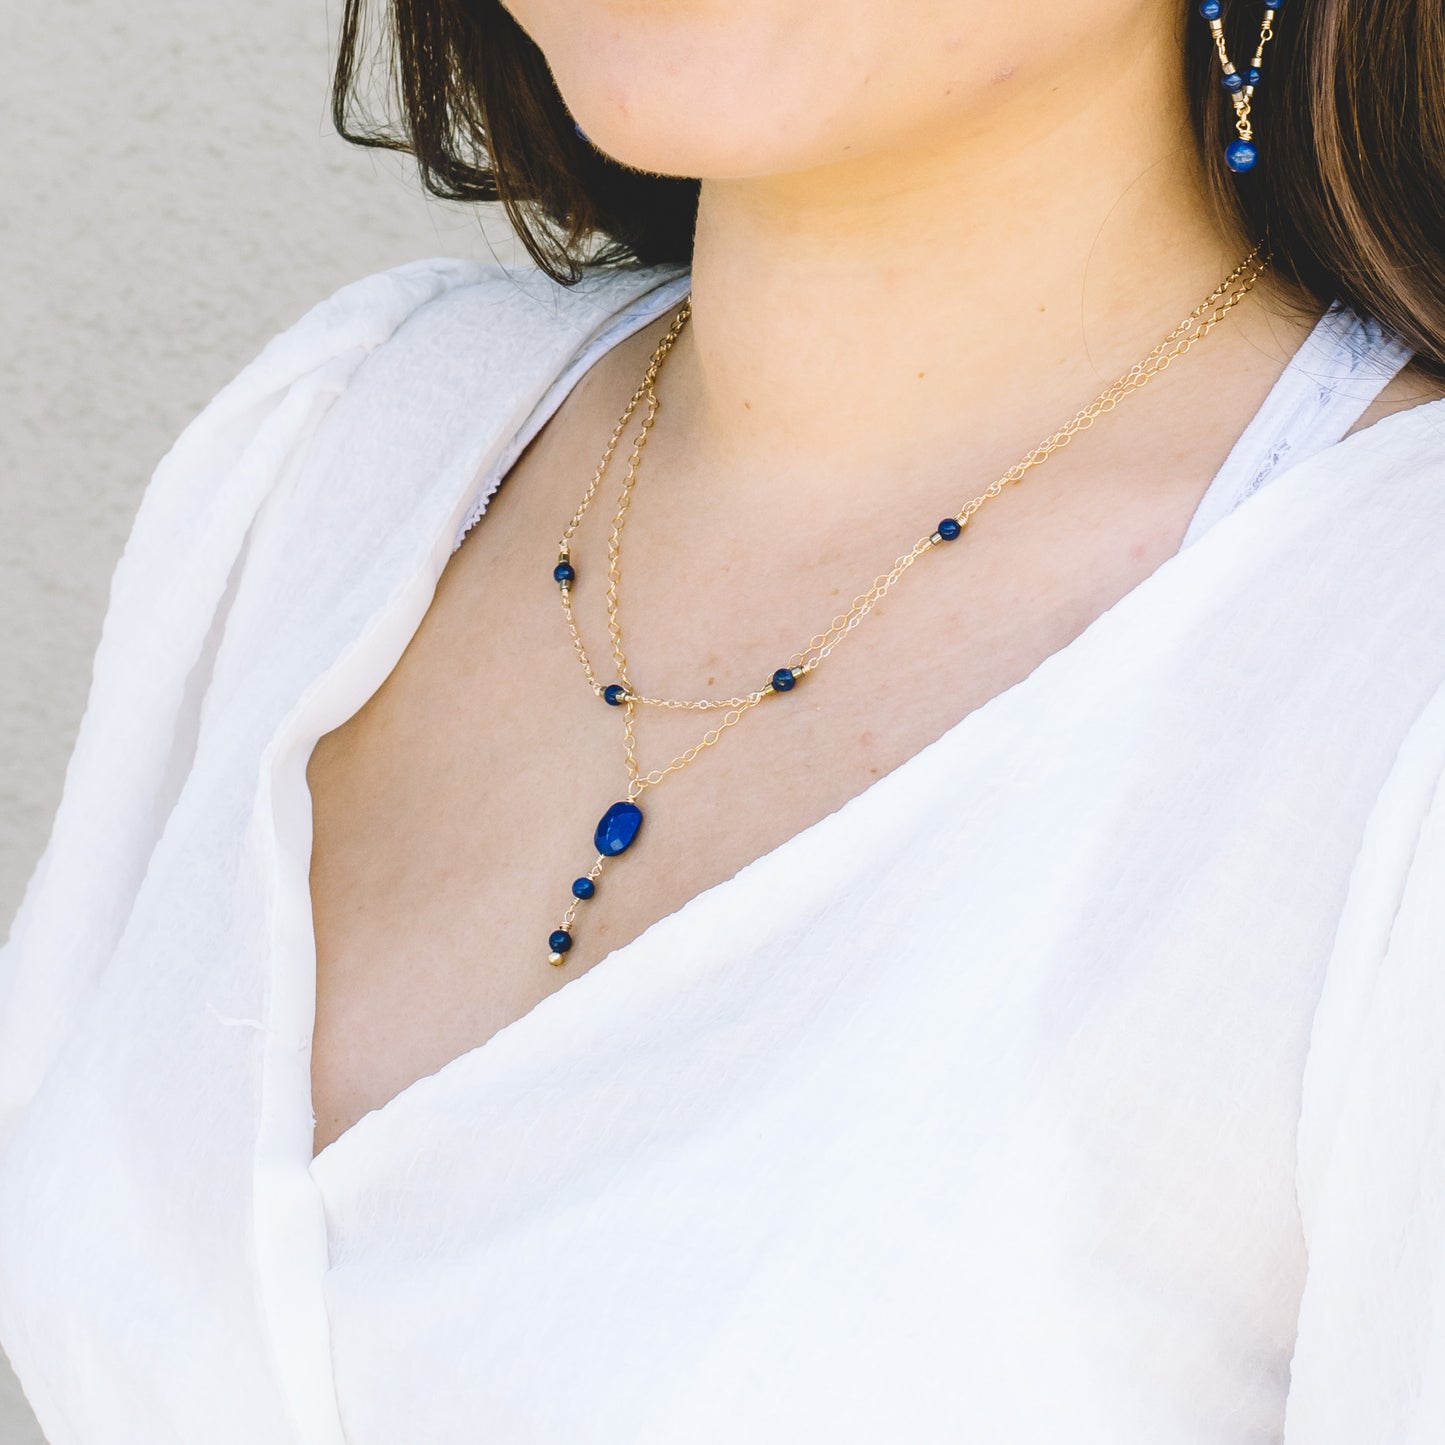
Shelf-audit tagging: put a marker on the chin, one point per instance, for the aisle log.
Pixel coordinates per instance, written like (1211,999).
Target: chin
(754,87)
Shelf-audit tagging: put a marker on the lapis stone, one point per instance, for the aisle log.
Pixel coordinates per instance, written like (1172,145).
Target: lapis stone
(583,888)
(560,941)
(784,679)
(564,572)
(617,829)
(1252,75)
(949,528)
(1211,9)
(1233,81)
(1240,155)
(614,695)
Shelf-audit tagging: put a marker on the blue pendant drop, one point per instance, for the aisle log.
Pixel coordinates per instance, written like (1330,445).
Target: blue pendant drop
(1240,155)
(617,828)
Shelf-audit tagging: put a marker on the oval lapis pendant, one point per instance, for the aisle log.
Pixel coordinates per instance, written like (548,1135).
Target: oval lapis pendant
(617,828)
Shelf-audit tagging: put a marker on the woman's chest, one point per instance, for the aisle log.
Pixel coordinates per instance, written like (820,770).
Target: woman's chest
(988,1067)
(453,812)
(1015,1031)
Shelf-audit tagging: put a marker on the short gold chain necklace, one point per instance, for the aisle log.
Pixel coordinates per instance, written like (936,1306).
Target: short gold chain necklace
(619,825)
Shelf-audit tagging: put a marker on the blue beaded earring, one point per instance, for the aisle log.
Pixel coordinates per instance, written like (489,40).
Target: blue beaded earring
(1240,154)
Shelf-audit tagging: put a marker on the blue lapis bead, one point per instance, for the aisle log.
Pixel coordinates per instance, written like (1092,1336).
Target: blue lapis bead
(949,528)
(1211,9)
(583,888)
(1240,155)
(1233,82)
(614,695)
(1252,75)
(617,828)
(564,572)
(784,680)
(560,941)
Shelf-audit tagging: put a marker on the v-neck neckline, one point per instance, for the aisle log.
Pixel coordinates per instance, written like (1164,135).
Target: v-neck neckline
(602,975)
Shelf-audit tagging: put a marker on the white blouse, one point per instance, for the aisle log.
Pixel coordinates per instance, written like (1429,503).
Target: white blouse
(1080,1082)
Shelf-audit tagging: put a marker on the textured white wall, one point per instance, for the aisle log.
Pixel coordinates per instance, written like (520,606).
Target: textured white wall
(173,195)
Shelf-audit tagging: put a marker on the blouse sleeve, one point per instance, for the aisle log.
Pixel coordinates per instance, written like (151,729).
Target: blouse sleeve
(1369,1361)
(167,605)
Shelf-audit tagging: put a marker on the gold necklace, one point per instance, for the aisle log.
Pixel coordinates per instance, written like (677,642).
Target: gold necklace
(620,824)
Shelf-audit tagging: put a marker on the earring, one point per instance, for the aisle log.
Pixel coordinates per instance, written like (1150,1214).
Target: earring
(1240,154)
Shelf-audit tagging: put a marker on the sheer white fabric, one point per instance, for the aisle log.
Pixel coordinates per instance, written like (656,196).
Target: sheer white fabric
(1081,1080)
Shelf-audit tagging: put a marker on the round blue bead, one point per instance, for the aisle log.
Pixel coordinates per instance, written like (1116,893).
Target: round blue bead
(583,888)
(564,572)
(1233,82)
(1211,9)
(949,528)
(614,695)
(1252,75)
(1240,155)
(784,680)
(560,941)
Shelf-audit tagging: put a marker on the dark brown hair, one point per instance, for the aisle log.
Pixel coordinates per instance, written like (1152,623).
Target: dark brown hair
(1349,189)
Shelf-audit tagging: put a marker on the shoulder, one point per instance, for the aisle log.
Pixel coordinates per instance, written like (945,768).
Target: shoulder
(1384,481)
(1391,474)
(370,381)
(497,302)
(423,327)
(448,328)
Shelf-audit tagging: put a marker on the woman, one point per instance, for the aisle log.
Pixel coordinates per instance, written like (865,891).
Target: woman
(1023,1024)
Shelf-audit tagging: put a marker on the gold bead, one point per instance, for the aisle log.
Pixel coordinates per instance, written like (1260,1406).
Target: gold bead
(556,958)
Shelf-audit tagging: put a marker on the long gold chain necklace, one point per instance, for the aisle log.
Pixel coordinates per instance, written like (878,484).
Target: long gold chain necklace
(619,825)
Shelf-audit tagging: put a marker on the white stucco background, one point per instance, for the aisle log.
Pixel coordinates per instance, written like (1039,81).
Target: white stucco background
(171,195)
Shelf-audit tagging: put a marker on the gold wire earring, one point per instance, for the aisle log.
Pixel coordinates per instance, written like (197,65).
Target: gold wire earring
(1241,153)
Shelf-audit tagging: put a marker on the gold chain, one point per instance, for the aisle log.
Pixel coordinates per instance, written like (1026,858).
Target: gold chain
(1197,325)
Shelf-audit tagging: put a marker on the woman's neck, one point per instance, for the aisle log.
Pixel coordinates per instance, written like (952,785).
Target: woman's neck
(1003,273)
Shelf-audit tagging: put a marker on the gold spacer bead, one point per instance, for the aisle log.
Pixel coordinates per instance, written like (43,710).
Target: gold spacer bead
(556,958)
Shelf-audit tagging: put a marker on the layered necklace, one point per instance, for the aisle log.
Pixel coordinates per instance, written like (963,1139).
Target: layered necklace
(619,825)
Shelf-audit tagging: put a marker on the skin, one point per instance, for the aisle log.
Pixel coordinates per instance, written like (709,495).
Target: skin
(929,232)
